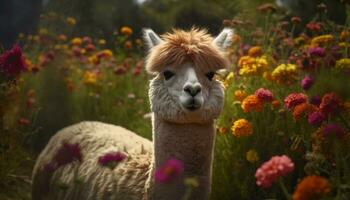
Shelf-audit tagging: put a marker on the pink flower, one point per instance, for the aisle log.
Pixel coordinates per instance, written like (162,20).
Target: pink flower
(294,99)
(111,160)
(12,62)
(316,118)
(330,129)
(271,170)
(169,171)
(264,94)
(307,82)
(317,52)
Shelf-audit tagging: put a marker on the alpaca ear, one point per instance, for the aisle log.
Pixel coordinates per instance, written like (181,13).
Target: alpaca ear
(224,39)
(151,38)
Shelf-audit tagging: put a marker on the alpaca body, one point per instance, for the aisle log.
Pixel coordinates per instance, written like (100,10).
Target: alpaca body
(88,179)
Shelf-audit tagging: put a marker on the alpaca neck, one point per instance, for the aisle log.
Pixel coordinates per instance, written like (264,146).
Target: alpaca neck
(193,145)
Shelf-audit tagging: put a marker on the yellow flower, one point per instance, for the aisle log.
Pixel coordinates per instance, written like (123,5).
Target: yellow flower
(107,53)
(71,21)
(252,103)
(125,30)
(94,60)
(101,41)
(241,128)
(255,51)
(285,74)
(240,95)
(191,182)
(77,41)
(90,78)
(344,45)
(228,79)
(343,63)
(252,66)
(252,156)
(299,41)
(322,40)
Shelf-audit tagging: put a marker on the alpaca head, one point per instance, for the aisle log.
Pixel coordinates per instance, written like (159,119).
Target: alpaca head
(184,64)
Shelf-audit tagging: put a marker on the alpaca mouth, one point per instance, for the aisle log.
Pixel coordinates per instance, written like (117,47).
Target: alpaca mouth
(192,105)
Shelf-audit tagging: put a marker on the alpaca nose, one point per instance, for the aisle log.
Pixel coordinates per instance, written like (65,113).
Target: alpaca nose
(192,89)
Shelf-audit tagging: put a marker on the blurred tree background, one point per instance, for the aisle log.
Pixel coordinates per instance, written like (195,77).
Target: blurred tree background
(102,18)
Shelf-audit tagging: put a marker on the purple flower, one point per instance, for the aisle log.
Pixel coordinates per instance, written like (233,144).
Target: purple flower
(330,129)
(111,160)
(264,94)
(169,171)
(317,52)
(67,154)
(315,100)
(12,62)
(307,82)
(316,118)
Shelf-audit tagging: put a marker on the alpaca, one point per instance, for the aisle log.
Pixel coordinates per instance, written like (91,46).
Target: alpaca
(185,100)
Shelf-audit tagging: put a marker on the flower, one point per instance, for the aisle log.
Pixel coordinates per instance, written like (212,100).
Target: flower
(267,8)
(294,99)
(343,63)
(314,26)
(255,51)
(264,94)
(241,128)
(252,103)
(271,170)
(77,41)
(295,20)
(316,118)
(330,103)
(90,78)
(303,109)
(12,62)
(252,66)
(125,30)
(312,188)
(252,156)
(111,160)
(170,170)
(71,21)
(240,95)
(285,74)
(191,182)
(315,100)
(317,52)
(106,53)
(24,121)
(67,153)
(322,40)
(331,129)
(307,82)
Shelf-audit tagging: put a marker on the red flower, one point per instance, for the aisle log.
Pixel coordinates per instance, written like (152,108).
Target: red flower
(12,62)
(169,171)
(314,26)
(330,103)
(24,121)
(294,99)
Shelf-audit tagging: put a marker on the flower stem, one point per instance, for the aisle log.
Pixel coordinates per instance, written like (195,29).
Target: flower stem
(284,189)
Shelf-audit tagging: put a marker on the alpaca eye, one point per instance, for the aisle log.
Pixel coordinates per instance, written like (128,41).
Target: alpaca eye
(168,74)
(210,75)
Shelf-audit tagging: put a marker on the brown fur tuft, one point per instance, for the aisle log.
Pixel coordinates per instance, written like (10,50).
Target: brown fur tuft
(195,46)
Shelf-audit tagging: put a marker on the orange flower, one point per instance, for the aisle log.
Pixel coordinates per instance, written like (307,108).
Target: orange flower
(312,188)
(241,128)
(255,51)
(252,103)
(275,104)
(302,110)
(128,44)
(77,41)
(240,95)
(125,30)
